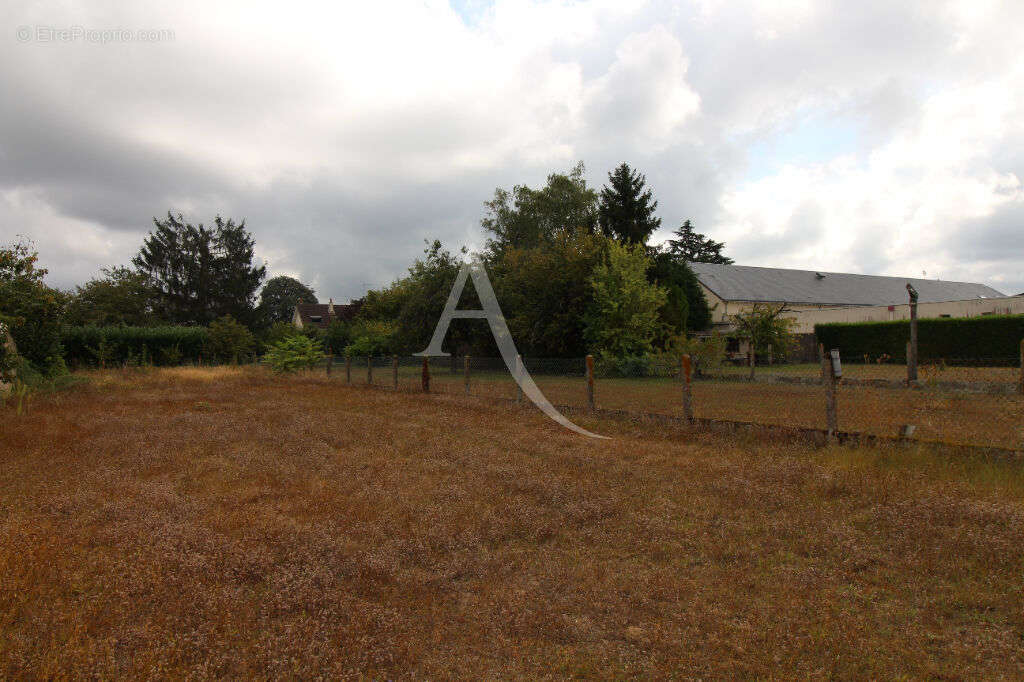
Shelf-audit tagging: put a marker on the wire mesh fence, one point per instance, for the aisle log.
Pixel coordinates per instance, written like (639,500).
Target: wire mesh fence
(962,403)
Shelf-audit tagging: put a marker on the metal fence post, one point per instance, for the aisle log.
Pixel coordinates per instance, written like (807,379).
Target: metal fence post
(466,371)
(348,369)
(426,375)
(394,371)
(829,380)
(369,369)
(685,372)
(590,382)
(519,374)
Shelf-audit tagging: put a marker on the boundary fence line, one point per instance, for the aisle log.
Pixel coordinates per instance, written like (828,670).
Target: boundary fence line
(1001,397)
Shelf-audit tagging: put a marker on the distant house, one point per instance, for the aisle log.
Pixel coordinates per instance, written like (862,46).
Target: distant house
(814,297)
(322,314)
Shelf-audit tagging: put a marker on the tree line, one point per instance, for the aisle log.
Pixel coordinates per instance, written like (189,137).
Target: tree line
(571,266)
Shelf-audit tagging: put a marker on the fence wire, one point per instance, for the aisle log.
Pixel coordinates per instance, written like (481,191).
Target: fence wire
(966,402)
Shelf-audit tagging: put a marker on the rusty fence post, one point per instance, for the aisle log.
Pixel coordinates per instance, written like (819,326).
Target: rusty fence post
(348,369)
(590,383)
(685,373)
(828,378)
(425,377)
(519,375)
(912,344)
(369,369)
(465,363)
(394,372)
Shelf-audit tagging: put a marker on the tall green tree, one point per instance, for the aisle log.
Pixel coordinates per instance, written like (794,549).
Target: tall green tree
(623,319)
(686,309)
(30,309)
(627,207)
(693,247)
(545,292)
(198,274)
(279,297)
(121,296)
(525,217)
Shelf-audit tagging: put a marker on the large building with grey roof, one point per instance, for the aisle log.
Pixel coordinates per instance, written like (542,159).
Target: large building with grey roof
(819,296)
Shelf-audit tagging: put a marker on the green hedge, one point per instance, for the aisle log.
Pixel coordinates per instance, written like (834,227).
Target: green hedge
(168,345)
(991,338)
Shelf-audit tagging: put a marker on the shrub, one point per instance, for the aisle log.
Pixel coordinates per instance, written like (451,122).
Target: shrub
(167,345)
(8,357)
(275,333)
(992,338)
(294,353)
(371,337)
(228,340)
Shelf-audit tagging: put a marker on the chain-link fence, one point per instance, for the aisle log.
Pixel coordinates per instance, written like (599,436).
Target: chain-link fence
(979,403)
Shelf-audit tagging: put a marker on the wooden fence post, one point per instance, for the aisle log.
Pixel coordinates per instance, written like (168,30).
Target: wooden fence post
(685,372)
(369,369)
(466,372)
(912,345)
(1021,387)
(751,358)
(426,375)
(829,380)
(348,369)
(330,363)
(590,382)
(519,374)
(394,371)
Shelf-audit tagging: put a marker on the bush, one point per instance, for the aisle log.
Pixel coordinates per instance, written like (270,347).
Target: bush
(274,334)
(294,353)
(8,357)
(228,340)
(371,337)
(166,345)
(992,338)
(628,366)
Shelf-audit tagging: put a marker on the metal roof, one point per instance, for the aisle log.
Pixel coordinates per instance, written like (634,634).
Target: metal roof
(746,283)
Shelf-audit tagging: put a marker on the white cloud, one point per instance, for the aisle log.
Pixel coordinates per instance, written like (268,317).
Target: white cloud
(347,133)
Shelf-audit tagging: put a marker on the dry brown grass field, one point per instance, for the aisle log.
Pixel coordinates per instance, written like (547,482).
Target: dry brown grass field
(228,523)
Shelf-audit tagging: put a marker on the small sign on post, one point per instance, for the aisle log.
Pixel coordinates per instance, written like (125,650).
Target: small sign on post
(590,382)
(686,372)
(837,367)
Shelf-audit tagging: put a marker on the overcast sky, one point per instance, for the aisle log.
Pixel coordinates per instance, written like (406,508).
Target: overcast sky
(877,137)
